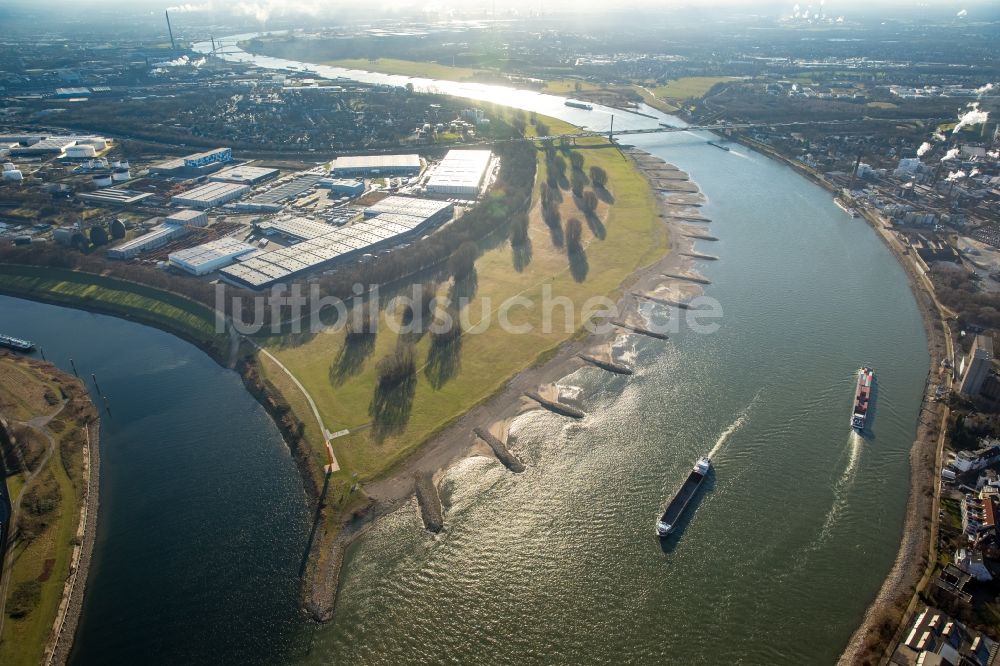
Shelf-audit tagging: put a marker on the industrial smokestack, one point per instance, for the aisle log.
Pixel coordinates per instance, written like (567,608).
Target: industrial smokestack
(854,174)
(173,46)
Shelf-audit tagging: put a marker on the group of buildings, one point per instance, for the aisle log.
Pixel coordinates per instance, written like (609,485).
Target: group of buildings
(937,639)
(392,221)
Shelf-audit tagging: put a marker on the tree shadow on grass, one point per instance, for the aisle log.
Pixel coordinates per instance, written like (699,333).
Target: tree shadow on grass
(444,359)
(521,255)
(578,265)
(357,347)
(604,195)
(595,225)
(391,407)
(464,287)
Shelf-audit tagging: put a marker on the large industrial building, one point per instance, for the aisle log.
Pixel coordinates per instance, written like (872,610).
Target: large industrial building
(352,166)
(113,196)
(323,244)
(461,172)
(429,209)
(343,187)
(191,218)
(291,189)
(211,195)
(156,237)
(195,165)
(207,257)
(246,175)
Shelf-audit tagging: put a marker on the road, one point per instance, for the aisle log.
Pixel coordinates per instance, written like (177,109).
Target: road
(332,465)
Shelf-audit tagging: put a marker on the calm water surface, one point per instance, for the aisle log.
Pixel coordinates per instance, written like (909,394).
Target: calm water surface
(203,520)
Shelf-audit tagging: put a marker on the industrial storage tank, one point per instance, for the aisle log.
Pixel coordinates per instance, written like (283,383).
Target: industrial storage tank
(120,175)
(102,180)
(9,166)
(81,151)
(12,174)
(99,143)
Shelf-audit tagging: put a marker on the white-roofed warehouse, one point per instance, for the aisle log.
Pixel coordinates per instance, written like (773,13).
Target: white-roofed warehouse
(460,172)
(211,195)
(207,257)
(375,165)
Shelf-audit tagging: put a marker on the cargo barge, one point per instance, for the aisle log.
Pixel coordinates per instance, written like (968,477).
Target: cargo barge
(719,146)
(862,398)
(579,105)
(668,521)
(17,344)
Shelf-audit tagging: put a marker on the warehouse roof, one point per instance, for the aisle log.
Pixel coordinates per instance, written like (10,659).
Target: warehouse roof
(243,174)
(282,263)
(407,206)
(206,253)
(376,162)
(460,168)
(185,215)
(211,191)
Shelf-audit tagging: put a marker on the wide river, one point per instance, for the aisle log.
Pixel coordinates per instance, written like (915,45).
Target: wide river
(203,520)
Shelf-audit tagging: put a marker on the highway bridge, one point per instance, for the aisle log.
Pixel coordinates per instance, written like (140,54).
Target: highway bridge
(725,126)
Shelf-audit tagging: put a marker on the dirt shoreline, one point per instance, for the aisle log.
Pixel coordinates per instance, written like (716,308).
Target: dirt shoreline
(458,440)
(66,634)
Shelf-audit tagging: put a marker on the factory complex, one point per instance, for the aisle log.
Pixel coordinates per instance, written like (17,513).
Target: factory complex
(321,244)
(309,219)
(41,145)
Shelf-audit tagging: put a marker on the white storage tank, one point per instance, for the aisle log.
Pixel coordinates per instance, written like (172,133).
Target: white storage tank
(102,180)
(81,151)
(98,143)
(120,175)
(8,166)
(13,174)
(116,165)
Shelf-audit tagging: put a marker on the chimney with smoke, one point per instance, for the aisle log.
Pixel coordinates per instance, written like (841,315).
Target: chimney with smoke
(173,46)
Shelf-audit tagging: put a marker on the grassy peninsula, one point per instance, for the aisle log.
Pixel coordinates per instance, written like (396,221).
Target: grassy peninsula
(47,440)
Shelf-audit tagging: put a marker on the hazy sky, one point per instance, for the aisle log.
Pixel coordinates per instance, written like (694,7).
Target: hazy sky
(501,5)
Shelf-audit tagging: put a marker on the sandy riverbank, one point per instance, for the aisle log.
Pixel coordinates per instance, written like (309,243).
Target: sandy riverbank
(497,413)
